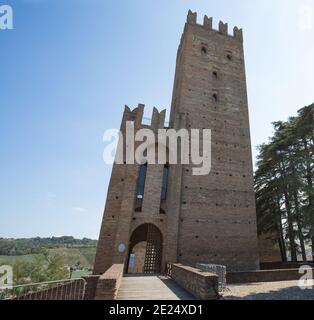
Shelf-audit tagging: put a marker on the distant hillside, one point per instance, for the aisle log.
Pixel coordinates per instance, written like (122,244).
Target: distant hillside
(18,247)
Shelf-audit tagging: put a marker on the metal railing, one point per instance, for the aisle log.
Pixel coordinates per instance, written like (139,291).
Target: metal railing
(70,289)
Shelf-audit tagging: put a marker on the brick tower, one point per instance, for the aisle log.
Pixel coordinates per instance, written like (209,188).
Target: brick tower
(181,217)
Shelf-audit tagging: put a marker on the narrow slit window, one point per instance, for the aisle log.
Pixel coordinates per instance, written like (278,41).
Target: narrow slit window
(163,196)
(140,187)
(164,182)
(215,97)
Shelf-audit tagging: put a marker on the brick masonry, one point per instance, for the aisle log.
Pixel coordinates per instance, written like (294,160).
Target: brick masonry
(91,285)
(108,284)
(202,285)
(264,276)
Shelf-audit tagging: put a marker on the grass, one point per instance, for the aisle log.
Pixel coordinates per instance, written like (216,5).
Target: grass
(84,255)
(74,255)
(80,273)
(89,253)
(10,260)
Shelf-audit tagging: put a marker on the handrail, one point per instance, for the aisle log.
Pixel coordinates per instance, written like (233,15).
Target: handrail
(33,284)
(65,289)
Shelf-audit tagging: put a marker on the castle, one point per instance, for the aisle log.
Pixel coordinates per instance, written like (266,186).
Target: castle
(156,214)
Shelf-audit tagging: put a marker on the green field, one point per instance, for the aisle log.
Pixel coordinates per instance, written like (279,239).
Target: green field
(80,273)
(84,255)
(89,253)
(10,260)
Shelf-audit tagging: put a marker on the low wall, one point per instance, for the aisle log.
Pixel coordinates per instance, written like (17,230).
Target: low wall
(91,285)
(264,276)
(284,265)
(108,283)
(219,270)
(202,285)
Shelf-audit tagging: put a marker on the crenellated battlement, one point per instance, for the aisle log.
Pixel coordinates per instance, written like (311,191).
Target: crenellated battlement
(192,17)
(157,120)
(208,25)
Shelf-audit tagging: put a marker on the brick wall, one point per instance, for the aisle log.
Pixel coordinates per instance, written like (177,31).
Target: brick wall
(284,265)
(212,218)
(108,284)
(215,213)
(264,276)
(203,285)
(120,219)
(90,288)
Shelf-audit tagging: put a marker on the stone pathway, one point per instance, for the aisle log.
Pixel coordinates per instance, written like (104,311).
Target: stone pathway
(283,290)
(163,288)
(151,288)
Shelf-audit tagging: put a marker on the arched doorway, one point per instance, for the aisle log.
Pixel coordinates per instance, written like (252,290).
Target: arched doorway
(145,250)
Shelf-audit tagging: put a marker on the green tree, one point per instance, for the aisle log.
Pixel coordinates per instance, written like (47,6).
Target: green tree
(284,184)
(42,269)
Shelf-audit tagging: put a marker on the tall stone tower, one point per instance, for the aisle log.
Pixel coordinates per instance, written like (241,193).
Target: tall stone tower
(217,219)
(156,214)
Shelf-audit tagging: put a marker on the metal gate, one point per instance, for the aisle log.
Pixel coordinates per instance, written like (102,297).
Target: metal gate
(152,236)
(153,250)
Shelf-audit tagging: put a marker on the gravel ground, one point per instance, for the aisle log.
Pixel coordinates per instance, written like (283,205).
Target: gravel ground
(284,290)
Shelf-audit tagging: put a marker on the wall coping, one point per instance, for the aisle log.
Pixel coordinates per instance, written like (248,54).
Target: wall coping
(113,272)
(202,285)
(194,270)
(109,282)
(264,276)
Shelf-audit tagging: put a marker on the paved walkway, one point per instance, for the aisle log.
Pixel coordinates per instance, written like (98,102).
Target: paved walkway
(142,287)
(283,290)
(151,288)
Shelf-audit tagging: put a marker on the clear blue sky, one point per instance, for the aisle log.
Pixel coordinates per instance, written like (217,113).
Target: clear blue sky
(69,67)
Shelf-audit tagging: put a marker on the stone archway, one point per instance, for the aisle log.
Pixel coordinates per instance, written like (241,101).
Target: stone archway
(145,251)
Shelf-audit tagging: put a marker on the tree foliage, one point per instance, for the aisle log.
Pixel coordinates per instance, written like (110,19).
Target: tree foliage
(284,184)
(16,247)
(42,269)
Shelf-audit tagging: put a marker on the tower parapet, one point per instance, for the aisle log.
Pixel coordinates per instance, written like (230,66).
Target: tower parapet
(135,115)
(223,27)
(157,120)
(208,25)
(238,33)
(192,17)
